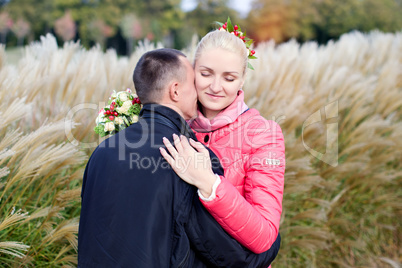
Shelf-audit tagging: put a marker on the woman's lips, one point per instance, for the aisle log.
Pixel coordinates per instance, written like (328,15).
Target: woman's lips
(214,97)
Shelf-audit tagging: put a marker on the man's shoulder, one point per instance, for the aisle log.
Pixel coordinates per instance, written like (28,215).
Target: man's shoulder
(105,146)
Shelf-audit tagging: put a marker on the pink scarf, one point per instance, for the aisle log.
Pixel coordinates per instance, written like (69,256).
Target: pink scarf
(223,118)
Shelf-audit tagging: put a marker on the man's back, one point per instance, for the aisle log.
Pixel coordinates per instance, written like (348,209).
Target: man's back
(132,202)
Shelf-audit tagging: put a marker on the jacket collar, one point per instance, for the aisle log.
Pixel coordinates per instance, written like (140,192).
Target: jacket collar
(223,118)
(154,110)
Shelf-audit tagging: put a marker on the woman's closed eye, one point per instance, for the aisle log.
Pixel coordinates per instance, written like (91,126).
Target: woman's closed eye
(228,78)
(205,74)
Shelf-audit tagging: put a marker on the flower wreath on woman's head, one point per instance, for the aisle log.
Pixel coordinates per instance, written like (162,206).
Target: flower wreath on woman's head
(236,30)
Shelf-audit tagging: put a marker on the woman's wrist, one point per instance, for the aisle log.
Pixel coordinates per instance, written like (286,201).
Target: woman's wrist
(206,187)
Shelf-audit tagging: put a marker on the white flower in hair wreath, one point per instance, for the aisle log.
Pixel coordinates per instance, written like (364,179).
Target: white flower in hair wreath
(236,30)
(122,111)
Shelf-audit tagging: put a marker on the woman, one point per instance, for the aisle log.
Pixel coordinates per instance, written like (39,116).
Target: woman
(247,201)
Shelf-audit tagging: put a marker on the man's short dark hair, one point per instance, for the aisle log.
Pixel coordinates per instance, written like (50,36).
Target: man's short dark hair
(154,70)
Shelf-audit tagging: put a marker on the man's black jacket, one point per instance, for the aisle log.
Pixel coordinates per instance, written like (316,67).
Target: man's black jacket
(136,212)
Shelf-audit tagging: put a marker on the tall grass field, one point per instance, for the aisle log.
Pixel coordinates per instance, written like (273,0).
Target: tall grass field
(339,106)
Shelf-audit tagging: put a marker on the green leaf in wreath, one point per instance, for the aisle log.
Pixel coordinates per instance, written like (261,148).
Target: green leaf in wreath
(230,26)
(250,66)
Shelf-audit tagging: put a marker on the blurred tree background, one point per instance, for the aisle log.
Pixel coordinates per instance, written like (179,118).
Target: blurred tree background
(119,24)
(321,20)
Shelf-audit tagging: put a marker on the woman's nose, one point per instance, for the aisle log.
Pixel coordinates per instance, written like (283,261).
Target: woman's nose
(216,85)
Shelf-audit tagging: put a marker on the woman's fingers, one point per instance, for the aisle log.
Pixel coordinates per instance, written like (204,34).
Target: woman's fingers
(198,146)
(183,148)
(177,143)
(184,157)
(167,156)
(176,164)
(170,148)
(184,143)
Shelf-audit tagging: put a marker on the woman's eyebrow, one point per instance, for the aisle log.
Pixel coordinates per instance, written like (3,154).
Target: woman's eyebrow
(209,69)
(232,72)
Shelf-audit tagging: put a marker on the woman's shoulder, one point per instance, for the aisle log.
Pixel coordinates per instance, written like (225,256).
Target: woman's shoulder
(249,125)
(261,134)
(253,120)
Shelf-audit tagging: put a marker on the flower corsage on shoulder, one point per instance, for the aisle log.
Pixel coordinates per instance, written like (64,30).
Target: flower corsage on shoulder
(122,111)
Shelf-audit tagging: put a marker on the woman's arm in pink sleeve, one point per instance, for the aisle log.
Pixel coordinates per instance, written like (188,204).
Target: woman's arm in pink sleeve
(253,220)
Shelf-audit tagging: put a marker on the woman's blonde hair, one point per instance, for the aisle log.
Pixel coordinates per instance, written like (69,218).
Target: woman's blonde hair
(223,40)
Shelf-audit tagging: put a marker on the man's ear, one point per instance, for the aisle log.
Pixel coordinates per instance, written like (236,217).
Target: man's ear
(174,91)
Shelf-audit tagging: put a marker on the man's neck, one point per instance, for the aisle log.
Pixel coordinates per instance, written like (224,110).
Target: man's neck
(174,108)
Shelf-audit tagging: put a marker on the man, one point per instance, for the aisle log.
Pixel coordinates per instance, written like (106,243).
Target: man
(136,212)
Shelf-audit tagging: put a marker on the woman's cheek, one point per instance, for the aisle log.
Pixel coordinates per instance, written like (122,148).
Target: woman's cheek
(201,84)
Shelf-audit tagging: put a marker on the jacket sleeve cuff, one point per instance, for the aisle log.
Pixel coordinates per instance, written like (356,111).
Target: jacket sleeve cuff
(213,194)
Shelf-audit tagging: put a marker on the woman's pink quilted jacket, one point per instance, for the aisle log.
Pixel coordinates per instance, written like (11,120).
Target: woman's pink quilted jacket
(248,202)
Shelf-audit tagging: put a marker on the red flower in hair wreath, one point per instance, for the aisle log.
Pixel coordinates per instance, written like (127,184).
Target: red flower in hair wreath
(236,30)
